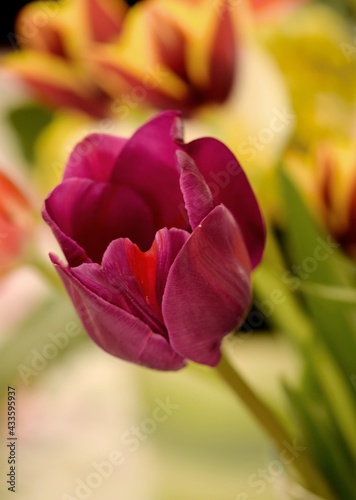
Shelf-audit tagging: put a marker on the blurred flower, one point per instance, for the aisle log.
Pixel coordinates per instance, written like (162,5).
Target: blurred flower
(76,53)
(160,237)
(103,59)
(272,9)
(313,49)
(328,181)
(336,176)
(15,223)
(55,38)
(172,54)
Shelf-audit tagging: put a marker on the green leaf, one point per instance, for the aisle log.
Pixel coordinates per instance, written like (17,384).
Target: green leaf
(322,444)
(317,261)
(338,395)
(28,121)
(345,295)
(280,306)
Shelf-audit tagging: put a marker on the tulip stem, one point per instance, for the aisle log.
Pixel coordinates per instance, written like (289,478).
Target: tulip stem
(274,428)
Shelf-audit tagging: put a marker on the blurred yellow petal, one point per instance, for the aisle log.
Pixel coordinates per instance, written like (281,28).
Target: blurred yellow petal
(38,26)
(321,79)
(54,146)
(58,139)
(89,22)
(132,62)
(55,83)
(198,35)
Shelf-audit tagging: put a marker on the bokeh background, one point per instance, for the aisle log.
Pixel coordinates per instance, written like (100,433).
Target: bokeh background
(274,80)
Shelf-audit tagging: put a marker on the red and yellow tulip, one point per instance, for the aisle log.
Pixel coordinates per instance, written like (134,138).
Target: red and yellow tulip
(172,54)
(337,187)
(82,54)
(98,56)
(54,40)
(328,181)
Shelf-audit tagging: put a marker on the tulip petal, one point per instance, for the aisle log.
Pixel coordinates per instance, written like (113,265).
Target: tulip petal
(208,289)
(168,41)
(50,37)
(74,253)
(229,185)
(196,193)
(223,57)
(94,214)
(155,175)
(167,245)
(133,280)
(94,158)
(115,330)
(57,83)
(105,18)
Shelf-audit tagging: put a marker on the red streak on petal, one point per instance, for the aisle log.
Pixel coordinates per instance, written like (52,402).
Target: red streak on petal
(143,266)
(105,25)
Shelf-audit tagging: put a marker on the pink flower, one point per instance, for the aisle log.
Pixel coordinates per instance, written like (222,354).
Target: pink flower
(160,238)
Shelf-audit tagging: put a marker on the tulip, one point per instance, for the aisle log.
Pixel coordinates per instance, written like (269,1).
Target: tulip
(54,38)
(160,239)
(100,57)
(336,180)
(172,54)
(15,223)
(327,180)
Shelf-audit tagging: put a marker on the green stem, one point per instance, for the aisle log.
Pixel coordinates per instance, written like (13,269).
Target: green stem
(273,427)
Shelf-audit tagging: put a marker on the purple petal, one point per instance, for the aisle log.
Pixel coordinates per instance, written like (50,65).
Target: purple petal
(147,164)
(229,185)
(115,330)
(94,213)
(133,280)
(196,193)
(94,158)
(167,245)
(208,290)
(74,253)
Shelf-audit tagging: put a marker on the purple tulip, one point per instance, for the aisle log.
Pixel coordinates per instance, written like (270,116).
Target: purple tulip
(160,238)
